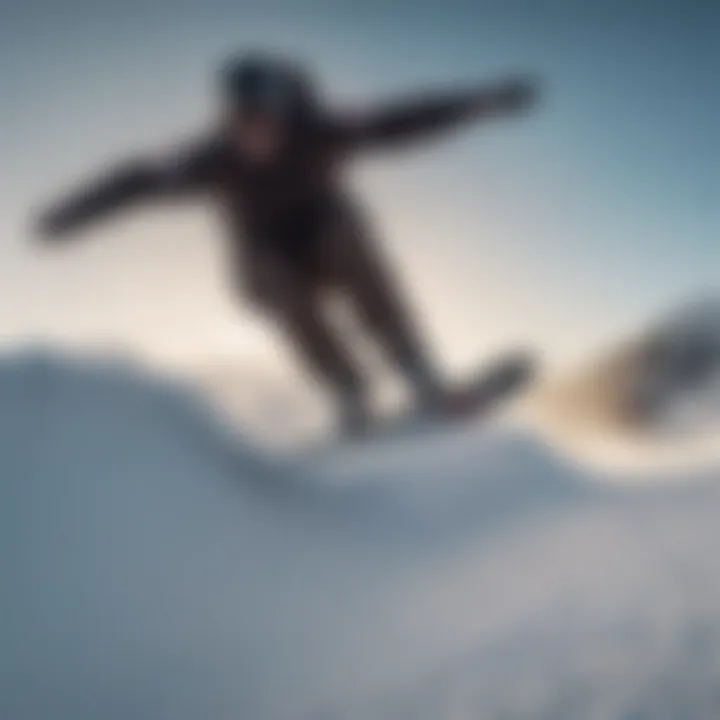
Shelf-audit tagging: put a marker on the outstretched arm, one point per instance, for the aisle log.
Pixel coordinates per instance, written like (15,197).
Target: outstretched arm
(123,187)
(432,113)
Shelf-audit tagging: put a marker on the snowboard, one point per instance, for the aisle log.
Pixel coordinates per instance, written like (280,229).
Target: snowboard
(469,402)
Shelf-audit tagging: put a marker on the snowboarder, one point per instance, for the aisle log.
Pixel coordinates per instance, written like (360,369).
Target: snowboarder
(274,165)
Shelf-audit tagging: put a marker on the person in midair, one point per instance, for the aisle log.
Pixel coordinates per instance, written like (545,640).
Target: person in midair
(274,165)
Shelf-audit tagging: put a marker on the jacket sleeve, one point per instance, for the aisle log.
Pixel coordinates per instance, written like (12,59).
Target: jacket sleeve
(429,114)
(125,186)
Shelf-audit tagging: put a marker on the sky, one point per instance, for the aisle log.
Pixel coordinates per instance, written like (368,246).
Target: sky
(561,231)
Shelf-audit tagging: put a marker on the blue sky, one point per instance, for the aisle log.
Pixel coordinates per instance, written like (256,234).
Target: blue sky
(561,230)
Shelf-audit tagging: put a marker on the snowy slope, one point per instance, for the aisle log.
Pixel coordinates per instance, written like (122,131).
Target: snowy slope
(652,399)
(152,568)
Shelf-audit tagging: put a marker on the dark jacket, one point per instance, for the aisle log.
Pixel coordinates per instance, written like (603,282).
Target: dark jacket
(271,203)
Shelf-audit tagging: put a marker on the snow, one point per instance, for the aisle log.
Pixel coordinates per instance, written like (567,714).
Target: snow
(153,566)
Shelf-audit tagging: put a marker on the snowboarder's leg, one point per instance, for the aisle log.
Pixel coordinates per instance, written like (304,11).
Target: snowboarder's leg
(362,273)
(292,299)
(326,358)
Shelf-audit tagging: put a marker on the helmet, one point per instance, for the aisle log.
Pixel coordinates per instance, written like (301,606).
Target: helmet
(266,84)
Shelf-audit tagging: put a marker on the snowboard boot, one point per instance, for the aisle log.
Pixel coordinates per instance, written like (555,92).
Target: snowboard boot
(354,416)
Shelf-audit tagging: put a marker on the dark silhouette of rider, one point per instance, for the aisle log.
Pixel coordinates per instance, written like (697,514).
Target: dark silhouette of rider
(275,168)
